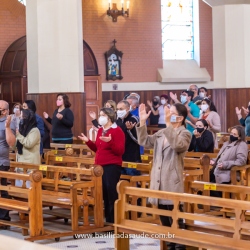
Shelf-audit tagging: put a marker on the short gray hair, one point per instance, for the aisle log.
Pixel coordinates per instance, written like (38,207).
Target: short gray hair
(196,87)
(134,99)
(126,103)
(136,95)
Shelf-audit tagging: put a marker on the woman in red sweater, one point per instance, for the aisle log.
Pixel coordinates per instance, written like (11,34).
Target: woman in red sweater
(109,148)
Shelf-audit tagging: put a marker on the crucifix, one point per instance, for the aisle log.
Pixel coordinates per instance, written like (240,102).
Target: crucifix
(114,42)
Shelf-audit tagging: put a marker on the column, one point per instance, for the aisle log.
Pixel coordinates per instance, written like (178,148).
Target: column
(55,55)
(231,39)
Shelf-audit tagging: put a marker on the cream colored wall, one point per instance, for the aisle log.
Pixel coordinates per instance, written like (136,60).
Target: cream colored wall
(54,46)
(231,39)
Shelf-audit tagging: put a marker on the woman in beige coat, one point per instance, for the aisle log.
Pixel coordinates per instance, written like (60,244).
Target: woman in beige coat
(28,141)
(170,146)
(233,153)
(209,113)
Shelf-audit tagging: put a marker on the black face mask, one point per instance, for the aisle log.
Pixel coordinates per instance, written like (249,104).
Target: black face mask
(1,112)
(233,138)
(200,130)
(155,103)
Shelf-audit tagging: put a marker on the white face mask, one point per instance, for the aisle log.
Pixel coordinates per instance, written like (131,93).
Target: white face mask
(15,110)
(204,107)
(121,113)
(163,101)
(103,120)
(202,94)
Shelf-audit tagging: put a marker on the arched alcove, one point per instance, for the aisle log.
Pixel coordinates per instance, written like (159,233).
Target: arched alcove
(13,70)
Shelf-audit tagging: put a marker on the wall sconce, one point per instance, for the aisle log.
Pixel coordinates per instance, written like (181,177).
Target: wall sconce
(115,12)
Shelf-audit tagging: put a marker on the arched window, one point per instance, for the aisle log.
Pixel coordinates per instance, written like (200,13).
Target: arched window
(22,1)
(177,29)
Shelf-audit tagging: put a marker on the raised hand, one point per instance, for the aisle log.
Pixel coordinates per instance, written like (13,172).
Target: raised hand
(238,111)
(188,108)
(209,124)
(150,104)
(8,121)
(173,96)
(45,115)
(95,128)
(143,114)
(167,115)
(246,111)
(83,137)
(130,125)
(105,139)
(196,134)
(92,115)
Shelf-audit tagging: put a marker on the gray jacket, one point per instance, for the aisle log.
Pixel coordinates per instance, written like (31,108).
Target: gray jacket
(231,154)
(168,162)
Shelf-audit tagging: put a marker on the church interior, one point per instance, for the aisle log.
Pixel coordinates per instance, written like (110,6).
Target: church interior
(139,66)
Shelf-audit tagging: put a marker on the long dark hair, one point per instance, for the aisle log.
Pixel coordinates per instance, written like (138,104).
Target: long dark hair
(27,123)
(31,105)
(210,104)
(182,111)
(66,102)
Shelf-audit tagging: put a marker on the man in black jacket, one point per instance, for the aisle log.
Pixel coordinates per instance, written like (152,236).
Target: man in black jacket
(126,121)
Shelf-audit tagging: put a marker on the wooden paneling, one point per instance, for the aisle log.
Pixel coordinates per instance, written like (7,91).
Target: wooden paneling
(47,103)
(93,90)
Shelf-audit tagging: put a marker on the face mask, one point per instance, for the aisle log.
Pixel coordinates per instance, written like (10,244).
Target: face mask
(183,99)
(15,110)
(59,103)
(121,113)
(202,94)
(204,107)
(173,118)
(200,130)
(163,101)
(103,120)
(155,103)
(233,138)
(130,109)
(1,112)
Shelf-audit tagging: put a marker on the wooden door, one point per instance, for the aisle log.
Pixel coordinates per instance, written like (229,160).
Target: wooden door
(93,90)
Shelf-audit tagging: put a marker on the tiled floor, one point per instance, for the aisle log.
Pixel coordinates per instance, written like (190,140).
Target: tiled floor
(99,242)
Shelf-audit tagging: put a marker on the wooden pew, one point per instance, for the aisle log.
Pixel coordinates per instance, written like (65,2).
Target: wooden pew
(71,195)
(224,233)
(80,149)
(32,207)
(151,129)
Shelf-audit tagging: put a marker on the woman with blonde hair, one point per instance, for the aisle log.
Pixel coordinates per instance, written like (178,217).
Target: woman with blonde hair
(108,104)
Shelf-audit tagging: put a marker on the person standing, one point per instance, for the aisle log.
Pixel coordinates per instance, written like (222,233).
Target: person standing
(30,104)
(193,109)
(134,105)
(212,117)
(28,142)
(154,119)
(7,139)
(170,146)
(161,110)
(195,89)
(62,121)
(244,122)
(16,113)
(109,147)
(126,121)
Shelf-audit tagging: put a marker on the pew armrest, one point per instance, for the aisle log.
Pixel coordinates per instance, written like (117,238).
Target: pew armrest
(237,168)
(86,184)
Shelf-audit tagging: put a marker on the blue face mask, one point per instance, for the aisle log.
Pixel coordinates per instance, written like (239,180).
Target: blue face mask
(173,118)
(183,99)
(130,109)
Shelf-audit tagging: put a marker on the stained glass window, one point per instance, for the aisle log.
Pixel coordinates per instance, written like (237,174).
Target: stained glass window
(177,29)
(22,1)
